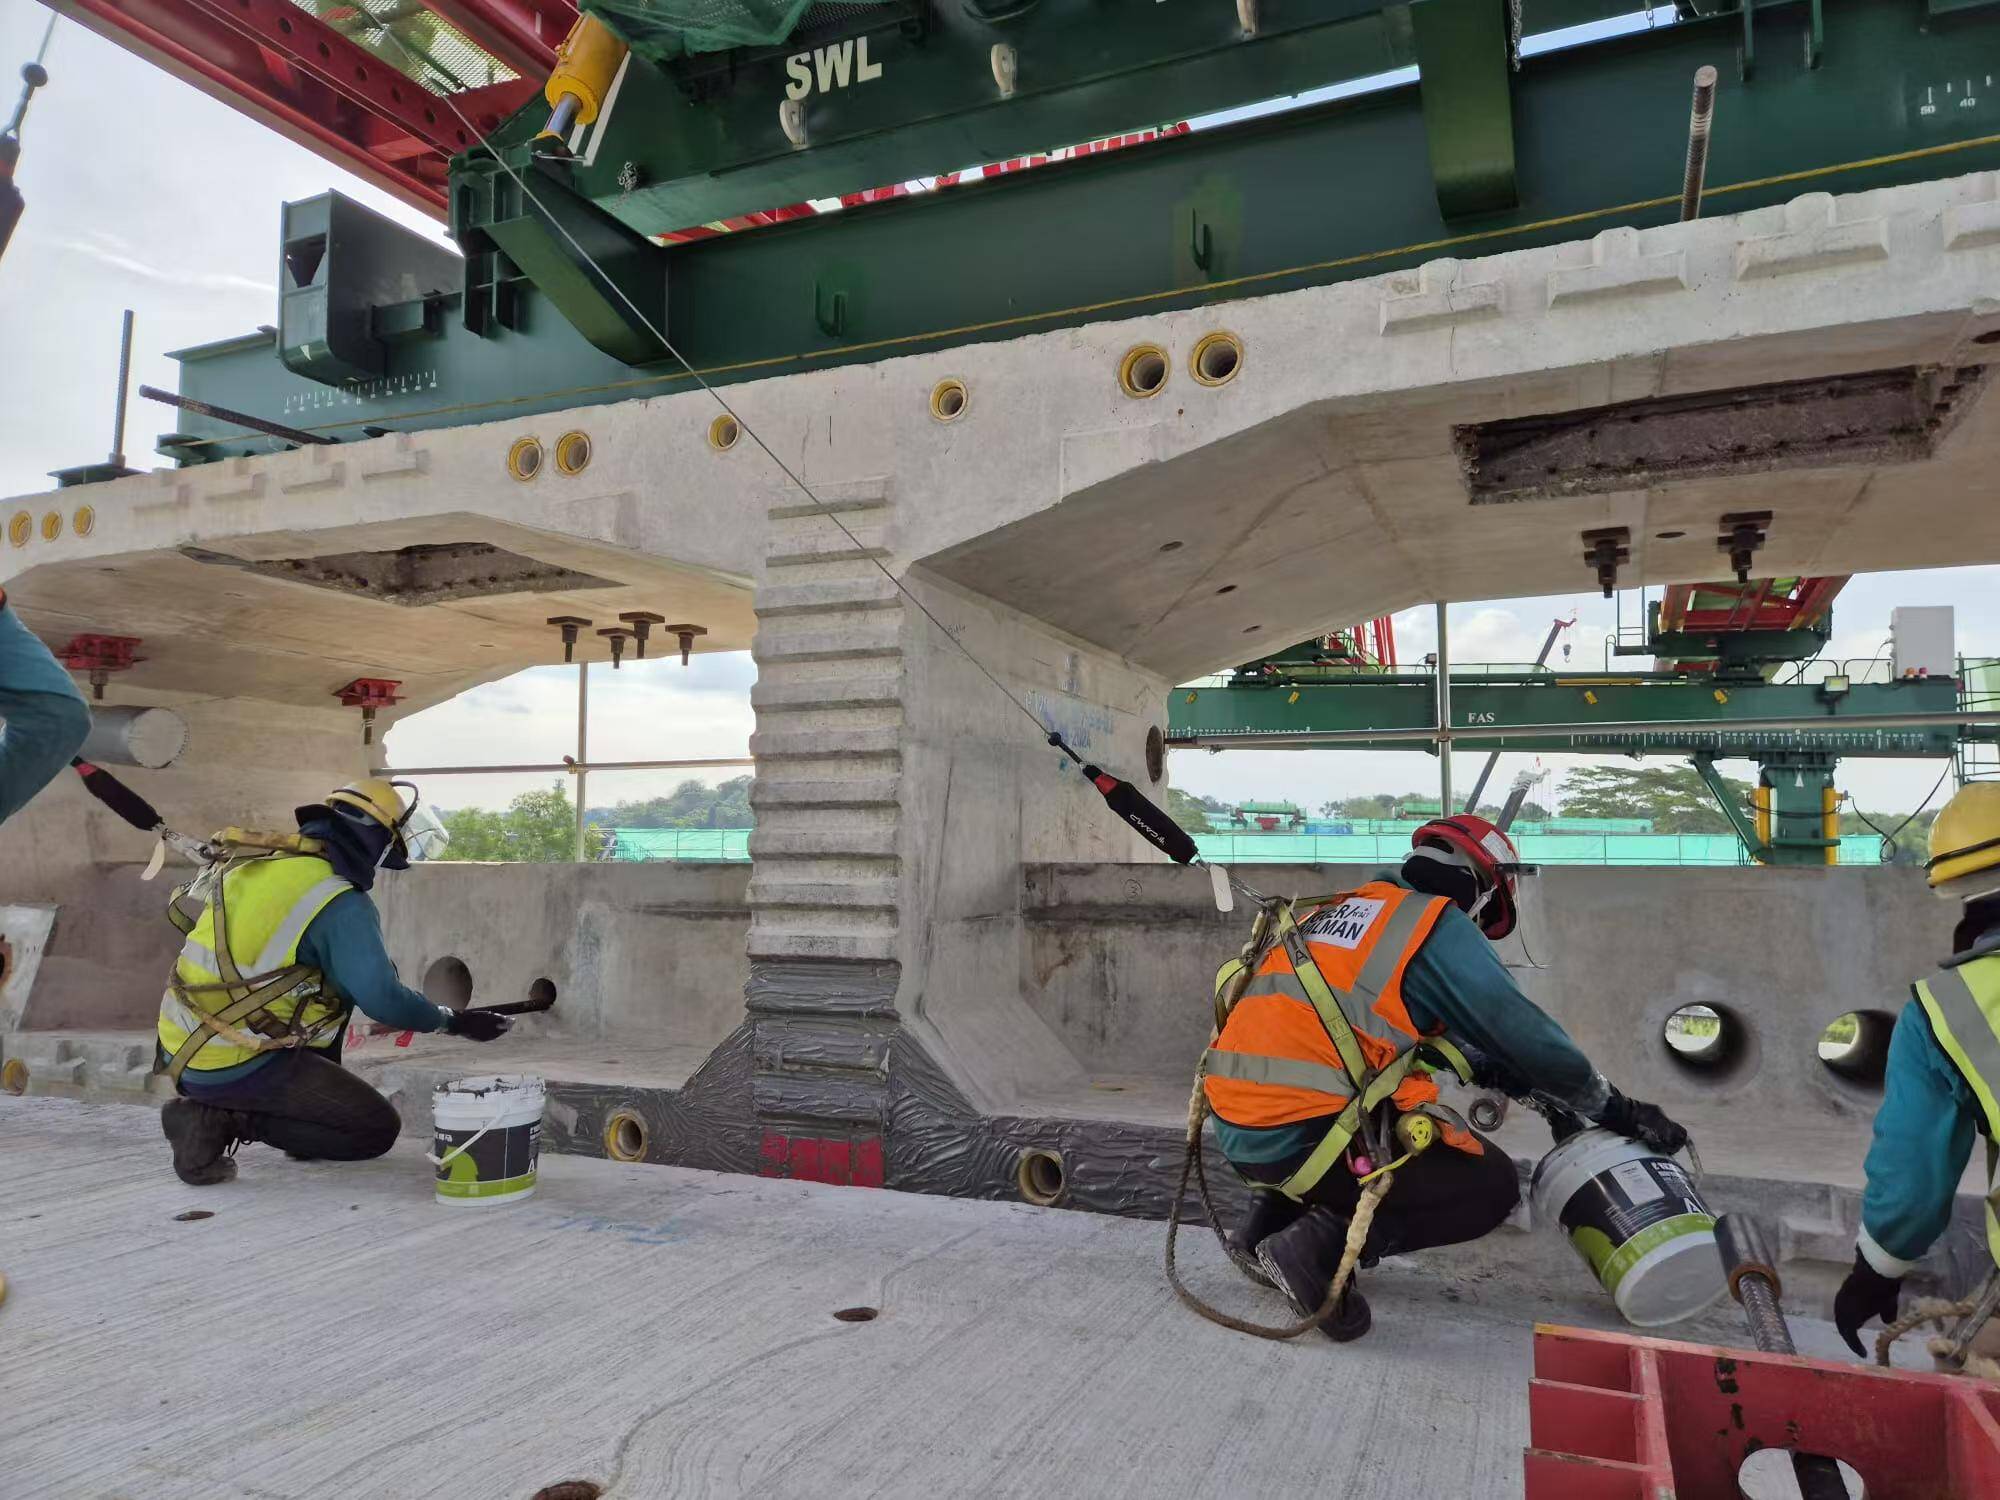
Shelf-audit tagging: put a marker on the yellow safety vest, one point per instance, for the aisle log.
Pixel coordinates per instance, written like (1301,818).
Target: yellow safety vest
(1963,1004)
(223,1008)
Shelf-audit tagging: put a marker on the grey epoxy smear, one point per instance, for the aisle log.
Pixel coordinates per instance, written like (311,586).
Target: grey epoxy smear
(332,1332)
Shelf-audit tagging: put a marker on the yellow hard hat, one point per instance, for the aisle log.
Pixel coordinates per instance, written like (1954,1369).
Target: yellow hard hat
(376,797)
(1965,840)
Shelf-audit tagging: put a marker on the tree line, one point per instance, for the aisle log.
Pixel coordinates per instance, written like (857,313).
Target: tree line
(540,826)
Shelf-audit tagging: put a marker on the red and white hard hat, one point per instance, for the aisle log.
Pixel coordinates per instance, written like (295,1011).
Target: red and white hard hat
(1486,850)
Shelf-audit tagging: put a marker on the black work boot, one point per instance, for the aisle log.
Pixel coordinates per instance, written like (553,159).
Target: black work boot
(1269,1212)
(1301,1260)
(201,1135)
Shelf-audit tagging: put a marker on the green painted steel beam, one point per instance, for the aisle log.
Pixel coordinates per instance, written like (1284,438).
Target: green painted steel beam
(1465,59)
(1237,715)
(1317,196)
(1746,831)
(703,140)
(607,282)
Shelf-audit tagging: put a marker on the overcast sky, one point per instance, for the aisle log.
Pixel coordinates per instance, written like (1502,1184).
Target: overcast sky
(144,193)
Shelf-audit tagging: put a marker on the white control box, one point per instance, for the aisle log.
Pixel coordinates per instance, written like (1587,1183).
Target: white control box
(1923,641)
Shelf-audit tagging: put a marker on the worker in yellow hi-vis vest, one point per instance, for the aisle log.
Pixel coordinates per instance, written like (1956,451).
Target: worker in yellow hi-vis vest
(281,947)
(1942,1086)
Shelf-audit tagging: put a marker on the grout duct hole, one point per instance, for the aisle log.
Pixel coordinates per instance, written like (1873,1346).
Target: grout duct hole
(1143,371)
(1039,1176)
(1217,359)
(948,400)
(625,1136)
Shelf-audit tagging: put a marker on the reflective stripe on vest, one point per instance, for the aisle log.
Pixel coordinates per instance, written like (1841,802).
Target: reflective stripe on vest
(270,904)
(1333,1006)
(1963,1005)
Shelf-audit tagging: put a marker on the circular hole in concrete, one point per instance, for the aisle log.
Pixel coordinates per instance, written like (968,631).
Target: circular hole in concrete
(1856,1046)
(192,1214)
(1705,1039)
(14,1076)
(857,1314)
(1991,336)
(1216,359)
(1172,546)
(1227,588)
(448,982)
(625,1136)
(1668,536)
(524,459)
(1156,754)
(1252,629)
(1039,1176)
(948,400)
(723,433)
(573,452)
(570,1489)
(1143,371)
(542,992)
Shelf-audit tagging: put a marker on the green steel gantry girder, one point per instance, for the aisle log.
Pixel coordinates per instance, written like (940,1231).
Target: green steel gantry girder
(1338,191)
(1796,765)
(1242,715)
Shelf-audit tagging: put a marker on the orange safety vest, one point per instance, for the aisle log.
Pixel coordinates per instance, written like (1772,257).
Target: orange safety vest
(1275,1062)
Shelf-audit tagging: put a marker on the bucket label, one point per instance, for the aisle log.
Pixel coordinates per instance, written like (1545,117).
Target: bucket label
(1619,1215)
(500,1162)
(1345,925)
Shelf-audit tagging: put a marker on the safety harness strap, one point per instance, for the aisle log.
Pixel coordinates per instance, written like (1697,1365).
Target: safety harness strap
(1449,1054)
(223,1022)
(1325,1004)
(1336,1139)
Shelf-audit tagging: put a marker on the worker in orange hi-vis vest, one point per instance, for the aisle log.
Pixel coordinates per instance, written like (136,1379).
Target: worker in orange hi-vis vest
(1409,958)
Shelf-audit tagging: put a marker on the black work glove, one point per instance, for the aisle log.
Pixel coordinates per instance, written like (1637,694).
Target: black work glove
(1647,1124)
(1866,1294)
(478,1025)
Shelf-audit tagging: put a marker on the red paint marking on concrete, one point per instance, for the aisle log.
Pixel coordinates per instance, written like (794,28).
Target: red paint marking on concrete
(845,1163)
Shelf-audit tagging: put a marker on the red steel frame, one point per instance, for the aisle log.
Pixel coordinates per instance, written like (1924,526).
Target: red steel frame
(286,69)
(1751,606)
(1616,1417)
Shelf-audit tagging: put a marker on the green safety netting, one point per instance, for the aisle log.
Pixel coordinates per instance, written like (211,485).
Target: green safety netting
(665,29)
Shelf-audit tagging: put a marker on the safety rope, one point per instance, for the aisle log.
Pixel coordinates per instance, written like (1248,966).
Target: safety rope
(1264,934)
(1940,1311)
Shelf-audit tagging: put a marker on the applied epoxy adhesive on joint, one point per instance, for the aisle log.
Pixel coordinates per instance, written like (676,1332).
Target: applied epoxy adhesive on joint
(487,1138)
(1637,1220)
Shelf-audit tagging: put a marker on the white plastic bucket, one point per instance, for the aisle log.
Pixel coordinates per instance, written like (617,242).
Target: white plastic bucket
(486,1138)
(1637,1220)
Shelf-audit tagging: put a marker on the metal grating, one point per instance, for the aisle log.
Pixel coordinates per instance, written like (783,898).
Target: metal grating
(432,51)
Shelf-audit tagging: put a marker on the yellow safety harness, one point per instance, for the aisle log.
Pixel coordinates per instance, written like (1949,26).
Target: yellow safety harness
(1367,1089)
(222,1008)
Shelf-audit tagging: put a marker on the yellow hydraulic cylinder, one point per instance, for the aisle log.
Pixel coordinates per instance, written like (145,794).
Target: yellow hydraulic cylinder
(1829,822)
(1760,801)
(585,65)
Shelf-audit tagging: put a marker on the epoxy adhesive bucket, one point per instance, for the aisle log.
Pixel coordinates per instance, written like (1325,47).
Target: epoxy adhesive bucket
(1637,1220)
(487,1138)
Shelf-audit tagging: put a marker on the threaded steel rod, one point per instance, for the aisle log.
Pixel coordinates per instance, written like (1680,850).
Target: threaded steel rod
(1700,118)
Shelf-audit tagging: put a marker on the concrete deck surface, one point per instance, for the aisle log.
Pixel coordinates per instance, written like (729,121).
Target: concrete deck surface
(333,1332)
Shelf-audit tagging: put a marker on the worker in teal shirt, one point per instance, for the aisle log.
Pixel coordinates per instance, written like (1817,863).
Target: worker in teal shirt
(43,718)
(288,1089)
(1939,1088)
(1442,976)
